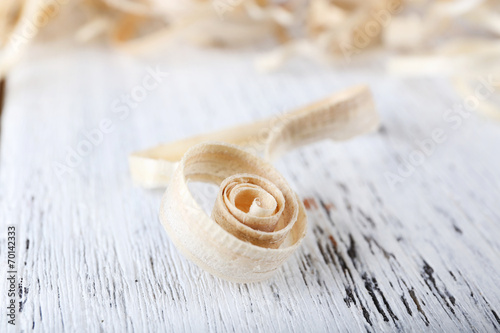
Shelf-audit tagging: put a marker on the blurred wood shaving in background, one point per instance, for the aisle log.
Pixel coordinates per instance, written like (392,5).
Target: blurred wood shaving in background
(419,37)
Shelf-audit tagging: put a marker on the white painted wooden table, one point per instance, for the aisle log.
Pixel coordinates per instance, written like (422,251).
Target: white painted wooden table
(421,255)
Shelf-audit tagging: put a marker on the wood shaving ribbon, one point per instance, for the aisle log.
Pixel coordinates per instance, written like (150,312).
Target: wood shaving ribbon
(257,221)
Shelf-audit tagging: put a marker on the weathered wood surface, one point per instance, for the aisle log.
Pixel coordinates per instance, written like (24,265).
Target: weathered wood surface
(423,255)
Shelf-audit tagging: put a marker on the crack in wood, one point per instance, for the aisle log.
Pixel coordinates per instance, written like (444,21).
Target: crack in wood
(493,312)
(370,288)
(326,208)
(428,276)
(407,306)
(351,251)
(349,297)
(496,316)
(370,240)
(366,217)
(417,304)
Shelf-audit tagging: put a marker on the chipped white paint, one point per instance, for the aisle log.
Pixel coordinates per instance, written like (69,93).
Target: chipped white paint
(94,256)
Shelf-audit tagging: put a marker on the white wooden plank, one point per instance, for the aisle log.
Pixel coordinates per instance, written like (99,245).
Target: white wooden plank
(422,255)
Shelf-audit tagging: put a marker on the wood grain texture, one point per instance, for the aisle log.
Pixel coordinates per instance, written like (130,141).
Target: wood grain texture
(423,255)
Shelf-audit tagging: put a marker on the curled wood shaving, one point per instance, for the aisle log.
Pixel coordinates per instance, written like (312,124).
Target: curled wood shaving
(226,245)
(338,117)
(257,221)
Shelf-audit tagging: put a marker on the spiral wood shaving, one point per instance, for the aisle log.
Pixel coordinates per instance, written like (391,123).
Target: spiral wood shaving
(257,221)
